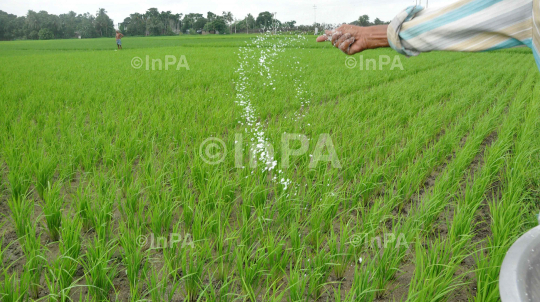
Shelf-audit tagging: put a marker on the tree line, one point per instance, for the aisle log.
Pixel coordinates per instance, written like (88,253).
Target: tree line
(364,21)
(42,25)
(154,23)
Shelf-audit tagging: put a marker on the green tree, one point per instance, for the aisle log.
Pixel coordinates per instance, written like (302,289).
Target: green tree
(199,24)
(250,21)
(210,16)
(364,20)
(228,18)
(178,18)
(135,24)
(170,22)
(103,24)
(241,25)
(264,20)
(32,21)
(86,26)
(154,26)
(189,21)
(45,34)
(220,25)
(8,24)
(33,35)
(69,24)
(290,24)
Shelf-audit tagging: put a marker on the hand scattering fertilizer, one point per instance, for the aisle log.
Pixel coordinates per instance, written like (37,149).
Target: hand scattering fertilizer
(256,59)
(331,33)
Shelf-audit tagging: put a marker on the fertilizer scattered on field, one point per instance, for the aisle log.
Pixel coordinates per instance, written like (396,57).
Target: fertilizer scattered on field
(258,58)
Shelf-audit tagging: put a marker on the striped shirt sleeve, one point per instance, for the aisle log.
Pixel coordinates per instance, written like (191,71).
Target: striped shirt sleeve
(467,25)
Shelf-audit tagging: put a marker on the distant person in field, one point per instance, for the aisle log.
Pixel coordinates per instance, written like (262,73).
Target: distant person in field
(119,36)
(467,25)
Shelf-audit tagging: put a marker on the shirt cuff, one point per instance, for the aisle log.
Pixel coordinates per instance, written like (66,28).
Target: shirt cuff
(395,27)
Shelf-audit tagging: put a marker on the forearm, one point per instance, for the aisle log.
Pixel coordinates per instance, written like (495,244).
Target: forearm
(462,26)
(376,36)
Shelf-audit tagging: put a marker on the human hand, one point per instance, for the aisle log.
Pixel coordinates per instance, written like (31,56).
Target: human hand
(352,39)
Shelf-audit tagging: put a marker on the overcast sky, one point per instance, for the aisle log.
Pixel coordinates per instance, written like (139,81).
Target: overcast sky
(301,11)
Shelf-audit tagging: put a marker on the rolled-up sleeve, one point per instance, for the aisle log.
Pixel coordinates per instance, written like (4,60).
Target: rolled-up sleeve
(467,25)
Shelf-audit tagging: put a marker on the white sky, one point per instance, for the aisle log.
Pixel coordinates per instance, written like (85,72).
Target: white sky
(328,11)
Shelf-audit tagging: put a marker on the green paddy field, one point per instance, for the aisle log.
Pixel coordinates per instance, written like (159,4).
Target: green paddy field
(261,168)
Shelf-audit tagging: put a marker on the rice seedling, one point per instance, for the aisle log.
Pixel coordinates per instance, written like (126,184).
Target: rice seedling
(192,267)
(84,210)
(14,287)
(341,250)
(132,204)
(60,275)
(52,209)
(438,154)
(99,268)
(102,214)
(35,259)
(298,282)
(3,249)
(363,288)
(134,259)
(162,209)
(59,279)
(250,265)
(318,271)
(44,167)
(20,183)
(277,256)
(157,287)
(223,294)
(21,209)
(506,224)
(19,173)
